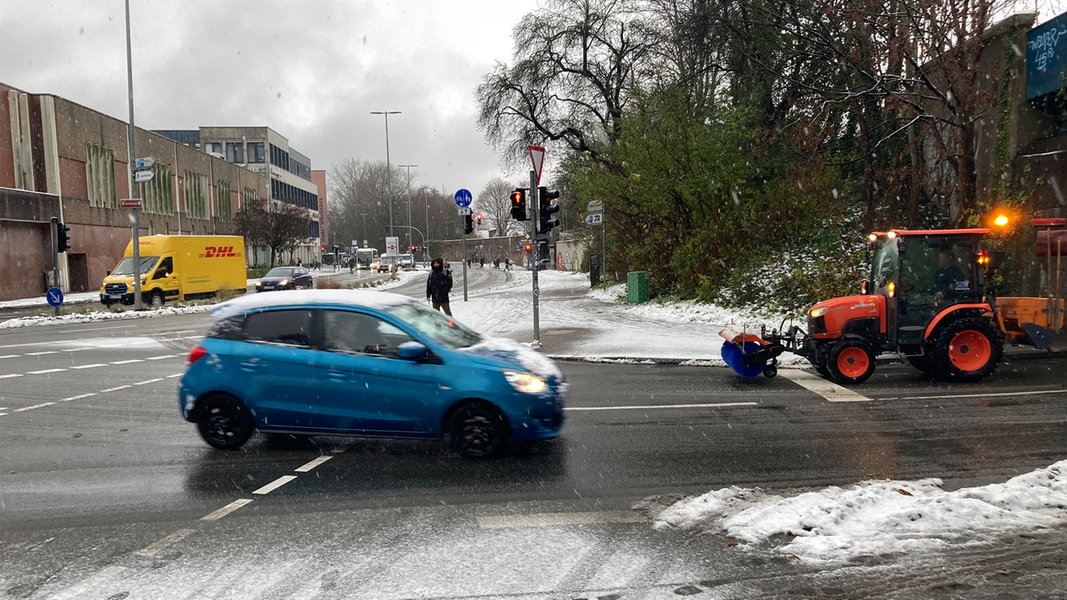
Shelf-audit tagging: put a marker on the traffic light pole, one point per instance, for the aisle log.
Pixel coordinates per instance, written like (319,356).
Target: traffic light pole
(535,263)
(55,256)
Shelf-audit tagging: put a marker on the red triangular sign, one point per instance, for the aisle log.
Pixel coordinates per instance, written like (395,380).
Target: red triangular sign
(537,157)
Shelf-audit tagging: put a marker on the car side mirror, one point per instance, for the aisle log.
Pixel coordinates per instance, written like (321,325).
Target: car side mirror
(412,351)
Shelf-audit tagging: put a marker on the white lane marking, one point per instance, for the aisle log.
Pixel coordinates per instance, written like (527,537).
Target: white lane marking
(12,375)
(149,381)
(830,391)
(311,465)
(90,366)
(42,353)
(10,356)
(115,389)
(654,406)
(45,371)
(990,395)
(85,586)
(165,356)
(225,510)
(160,545)
(128,362)
(277,483)
(78,397)
(26,408)
(559,519)
(174,375)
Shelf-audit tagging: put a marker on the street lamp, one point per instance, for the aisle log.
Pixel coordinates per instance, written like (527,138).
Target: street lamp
(408,167)
(388,167)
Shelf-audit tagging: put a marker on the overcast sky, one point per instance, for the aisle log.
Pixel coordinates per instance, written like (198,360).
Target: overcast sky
(312,71)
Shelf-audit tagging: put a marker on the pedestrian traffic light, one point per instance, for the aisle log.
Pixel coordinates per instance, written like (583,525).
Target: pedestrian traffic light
(62,238)
(469,223)
(518,205)
(546,209)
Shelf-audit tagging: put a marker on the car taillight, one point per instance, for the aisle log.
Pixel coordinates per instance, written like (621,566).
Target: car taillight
(196,354)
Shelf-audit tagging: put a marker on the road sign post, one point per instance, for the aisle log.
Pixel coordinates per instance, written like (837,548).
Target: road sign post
(463,201)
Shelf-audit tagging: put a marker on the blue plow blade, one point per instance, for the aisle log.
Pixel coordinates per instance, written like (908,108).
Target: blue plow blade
(736,359)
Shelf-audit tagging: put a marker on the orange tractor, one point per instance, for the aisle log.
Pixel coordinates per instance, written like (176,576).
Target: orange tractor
(925,300)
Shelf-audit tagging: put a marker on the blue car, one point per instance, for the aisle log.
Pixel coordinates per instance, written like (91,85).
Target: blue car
(362,362)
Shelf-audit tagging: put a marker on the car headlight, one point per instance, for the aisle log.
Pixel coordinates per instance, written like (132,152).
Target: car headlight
(818,312)
(525,382)
(284,282)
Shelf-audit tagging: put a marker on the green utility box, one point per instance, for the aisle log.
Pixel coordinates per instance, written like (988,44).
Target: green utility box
(637,287)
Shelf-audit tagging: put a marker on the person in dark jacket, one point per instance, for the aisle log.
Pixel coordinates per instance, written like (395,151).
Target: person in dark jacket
(438,285)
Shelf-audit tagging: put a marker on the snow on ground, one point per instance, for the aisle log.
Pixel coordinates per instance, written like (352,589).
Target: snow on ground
(832,525)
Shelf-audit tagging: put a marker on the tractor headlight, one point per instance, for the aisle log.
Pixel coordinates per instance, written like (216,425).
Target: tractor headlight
(527,383)
(818,312)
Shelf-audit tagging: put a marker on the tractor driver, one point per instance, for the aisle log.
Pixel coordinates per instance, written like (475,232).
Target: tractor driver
(943,283)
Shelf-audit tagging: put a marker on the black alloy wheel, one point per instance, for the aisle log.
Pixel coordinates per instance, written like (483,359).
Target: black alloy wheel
(478,430)
(225,422)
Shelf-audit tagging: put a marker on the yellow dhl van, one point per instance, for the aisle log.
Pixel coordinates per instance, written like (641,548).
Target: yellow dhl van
(178,267)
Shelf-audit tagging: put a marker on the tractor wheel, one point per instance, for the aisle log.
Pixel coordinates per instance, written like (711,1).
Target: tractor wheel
(967,349)
(851,361)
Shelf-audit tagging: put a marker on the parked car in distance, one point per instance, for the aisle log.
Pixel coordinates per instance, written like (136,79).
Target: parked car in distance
(386,262)
(285,278)
(407,261)
(367,363)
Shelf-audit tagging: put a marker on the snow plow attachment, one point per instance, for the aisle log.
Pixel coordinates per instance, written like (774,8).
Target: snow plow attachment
(750,355)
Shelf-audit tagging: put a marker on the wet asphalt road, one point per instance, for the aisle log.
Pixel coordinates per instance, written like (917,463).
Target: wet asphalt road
(106,493)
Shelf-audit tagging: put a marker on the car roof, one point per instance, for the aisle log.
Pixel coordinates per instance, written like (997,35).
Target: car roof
(310,298)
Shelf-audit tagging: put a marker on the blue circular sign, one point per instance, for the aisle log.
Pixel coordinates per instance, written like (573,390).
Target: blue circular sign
(55,296)
(463,198)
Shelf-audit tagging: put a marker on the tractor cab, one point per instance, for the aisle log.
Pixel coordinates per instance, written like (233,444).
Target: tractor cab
(924,276)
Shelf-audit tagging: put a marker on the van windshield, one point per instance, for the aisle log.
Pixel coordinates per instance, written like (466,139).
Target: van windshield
(126,266)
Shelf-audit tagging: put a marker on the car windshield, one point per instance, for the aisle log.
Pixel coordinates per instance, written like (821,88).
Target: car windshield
(281,272)
(126,266)
(435,325)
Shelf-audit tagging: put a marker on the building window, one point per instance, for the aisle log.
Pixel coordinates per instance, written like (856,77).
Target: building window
(196,195)
(235,152)
(100,176)
(249,197)
(225,210)
(255,152)
(158,194)
(213,148)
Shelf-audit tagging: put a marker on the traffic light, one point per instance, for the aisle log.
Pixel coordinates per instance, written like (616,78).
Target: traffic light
(479,219)
(468,227)
(546,209)
(62,238)
(526,247)
(518,205)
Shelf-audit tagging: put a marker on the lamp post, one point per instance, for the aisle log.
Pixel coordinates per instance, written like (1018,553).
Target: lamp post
(408,167)
(388,167)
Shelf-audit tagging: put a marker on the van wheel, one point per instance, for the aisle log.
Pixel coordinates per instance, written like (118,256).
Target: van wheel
(478,430)
(155,300)
(851,361)
(967,349)
(224,422)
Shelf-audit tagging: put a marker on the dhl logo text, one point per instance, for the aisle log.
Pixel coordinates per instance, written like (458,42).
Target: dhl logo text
(218,252)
